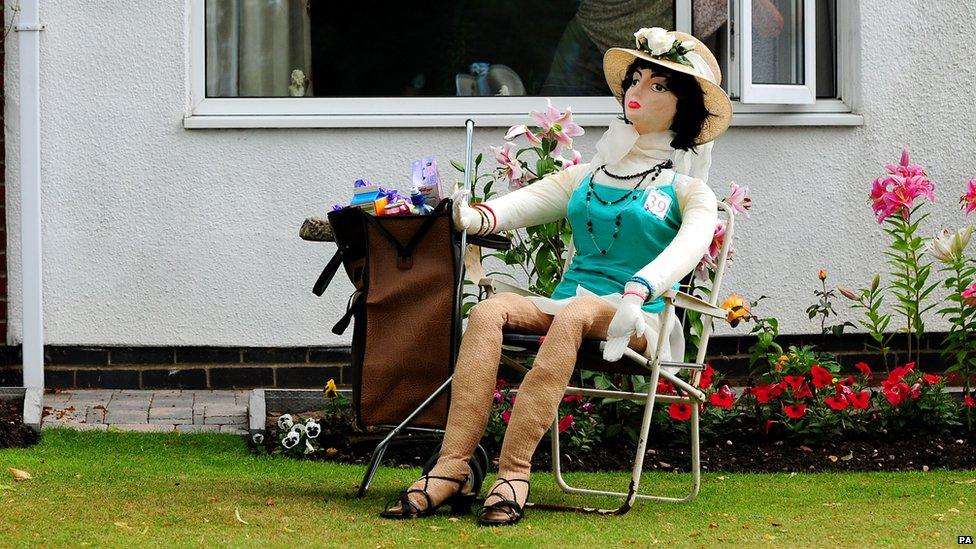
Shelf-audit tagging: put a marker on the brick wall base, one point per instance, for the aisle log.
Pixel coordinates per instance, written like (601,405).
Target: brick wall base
(309,367)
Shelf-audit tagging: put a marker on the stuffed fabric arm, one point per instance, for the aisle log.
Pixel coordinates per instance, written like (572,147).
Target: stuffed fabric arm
(541,202)
(699,214)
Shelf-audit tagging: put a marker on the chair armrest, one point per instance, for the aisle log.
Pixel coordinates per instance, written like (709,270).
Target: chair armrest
(688,301)
(499,286)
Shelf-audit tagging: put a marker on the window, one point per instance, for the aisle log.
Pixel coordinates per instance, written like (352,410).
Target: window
(286,63)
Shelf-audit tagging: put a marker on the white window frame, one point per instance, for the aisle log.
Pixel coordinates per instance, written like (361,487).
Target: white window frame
(328,112)
(781,94)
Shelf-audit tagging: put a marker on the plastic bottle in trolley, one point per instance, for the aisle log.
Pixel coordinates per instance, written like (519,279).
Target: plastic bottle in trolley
(419,201)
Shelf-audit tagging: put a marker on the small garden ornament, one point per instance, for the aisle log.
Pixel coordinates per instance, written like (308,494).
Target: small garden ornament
(642,197)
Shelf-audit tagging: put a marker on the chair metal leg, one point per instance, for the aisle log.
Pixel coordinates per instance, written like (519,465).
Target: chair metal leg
(377,456)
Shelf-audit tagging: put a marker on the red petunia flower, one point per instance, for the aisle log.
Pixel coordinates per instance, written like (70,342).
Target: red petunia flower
(776,389)
(860,400)
(664,387)
(968,401)
(915,391)
(499,383)
(803,392)
(705,381)
(680,411)
(837,402)
(863,368)
(506,415)
(768,426)
(894,392)
(566,422)
(723,398)
(851,380)
(821,376)
(795,411)
(931,379)
(900,372)
(952,378)
(762,393)
(793,381)
(573,398)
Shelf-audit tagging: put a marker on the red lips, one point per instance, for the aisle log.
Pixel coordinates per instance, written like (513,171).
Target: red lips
(634,105)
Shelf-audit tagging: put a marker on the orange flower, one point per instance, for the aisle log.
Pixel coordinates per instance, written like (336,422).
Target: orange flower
(737,307)
(822,275)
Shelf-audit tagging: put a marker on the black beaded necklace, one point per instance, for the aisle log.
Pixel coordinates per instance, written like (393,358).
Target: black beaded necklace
(591,193)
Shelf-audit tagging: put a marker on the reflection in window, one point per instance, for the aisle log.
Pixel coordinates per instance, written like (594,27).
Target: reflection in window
(438,48)
(442,48)
(775,30)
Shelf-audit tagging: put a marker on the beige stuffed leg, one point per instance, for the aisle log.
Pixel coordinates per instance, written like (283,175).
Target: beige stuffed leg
(542,389)
(474,381)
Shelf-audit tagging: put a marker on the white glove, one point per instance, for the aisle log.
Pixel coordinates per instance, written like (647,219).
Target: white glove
(465,217)
(627,322)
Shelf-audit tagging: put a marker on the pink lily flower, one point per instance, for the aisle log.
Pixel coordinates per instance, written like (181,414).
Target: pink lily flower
(509,165)
(898,191)
(739,199)
(522,129)
(574,159)
(717,239)
(969,294)
(968,200)
(558,125)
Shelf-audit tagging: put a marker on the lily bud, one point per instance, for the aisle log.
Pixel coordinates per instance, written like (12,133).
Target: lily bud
(847,293)
(875,281)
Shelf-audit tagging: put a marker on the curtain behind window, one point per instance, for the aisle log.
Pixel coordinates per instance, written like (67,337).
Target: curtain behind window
(254,45)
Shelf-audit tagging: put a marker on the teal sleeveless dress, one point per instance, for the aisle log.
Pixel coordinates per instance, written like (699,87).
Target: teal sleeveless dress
(647,225)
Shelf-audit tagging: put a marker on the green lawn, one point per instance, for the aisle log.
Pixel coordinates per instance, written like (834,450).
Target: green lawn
(169,489)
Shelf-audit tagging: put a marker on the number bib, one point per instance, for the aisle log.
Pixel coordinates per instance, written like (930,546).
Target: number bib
(658,202)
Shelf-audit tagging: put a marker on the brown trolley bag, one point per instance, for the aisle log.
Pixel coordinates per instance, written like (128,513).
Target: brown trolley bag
(407,272)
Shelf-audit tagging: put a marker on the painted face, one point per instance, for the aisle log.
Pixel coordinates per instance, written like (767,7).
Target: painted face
(648,103)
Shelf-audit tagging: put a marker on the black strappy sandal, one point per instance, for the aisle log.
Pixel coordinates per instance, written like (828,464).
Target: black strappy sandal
(460,503)
(510,507)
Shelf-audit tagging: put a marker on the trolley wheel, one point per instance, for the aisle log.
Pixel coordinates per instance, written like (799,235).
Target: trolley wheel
(477,473)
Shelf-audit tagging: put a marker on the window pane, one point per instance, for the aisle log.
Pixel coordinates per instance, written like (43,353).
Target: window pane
(777,41)
(827,48)
(438,48)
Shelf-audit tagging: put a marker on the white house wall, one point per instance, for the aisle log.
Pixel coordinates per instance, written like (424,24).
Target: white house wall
(158,235)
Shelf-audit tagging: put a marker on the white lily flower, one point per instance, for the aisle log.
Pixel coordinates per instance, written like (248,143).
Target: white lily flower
(285,422)
(291,440)
(947,246)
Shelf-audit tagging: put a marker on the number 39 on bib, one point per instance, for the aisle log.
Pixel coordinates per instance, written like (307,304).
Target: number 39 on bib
(658,202)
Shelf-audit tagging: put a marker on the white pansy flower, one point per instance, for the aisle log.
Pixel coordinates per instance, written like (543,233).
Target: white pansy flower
(257,438)
(298,428)
(312,428)
(285,422)
(291,440)
(308,447)
(659,41)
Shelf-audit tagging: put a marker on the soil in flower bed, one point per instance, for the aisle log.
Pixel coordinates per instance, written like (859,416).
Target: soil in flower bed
(740,453)
(13,432)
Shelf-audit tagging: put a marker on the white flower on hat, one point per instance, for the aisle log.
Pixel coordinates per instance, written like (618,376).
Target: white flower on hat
(688,45)
(659,40)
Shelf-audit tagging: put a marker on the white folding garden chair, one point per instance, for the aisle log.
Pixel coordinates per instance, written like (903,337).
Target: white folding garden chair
(632,363)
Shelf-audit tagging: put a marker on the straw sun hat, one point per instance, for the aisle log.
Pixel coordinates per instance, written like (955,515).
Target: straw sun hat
(682,53)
